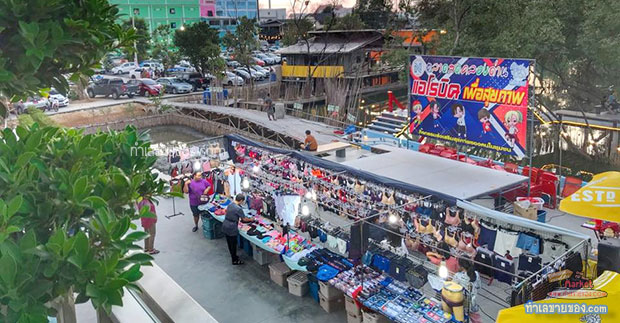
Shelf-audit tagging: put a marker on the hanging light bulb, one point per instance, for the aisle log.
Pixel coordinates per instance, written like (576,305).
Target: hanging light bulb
(314,195)
(305,210)
(197,167)
(308,195)
(443,270)
(245,184)
(255,168)
(393,218)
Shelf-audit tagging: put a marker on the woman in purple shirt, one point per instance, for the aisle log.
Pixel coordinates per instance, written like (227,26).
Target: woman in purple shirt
(197,187)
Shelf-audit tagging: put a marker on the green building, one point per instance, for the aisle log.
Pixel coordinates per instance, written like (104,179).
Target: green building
(220,14)
(174,13)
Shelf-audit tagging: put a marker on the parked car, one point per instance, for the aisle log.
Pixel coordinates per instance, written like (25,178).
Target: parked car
(148,87)
(268,60)
(36,102)
(276,59)
(265,70)
(243,73)
(197,81)
(264,73)
(61,99)
(174,85)
(258,75)
(154,65)
(230,78)
(115,87)
(124,68)
(232,64)
(258,61)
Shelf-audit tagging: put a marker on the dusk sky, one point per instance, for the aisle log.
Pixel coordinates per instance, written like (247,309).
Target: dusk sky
(313,3)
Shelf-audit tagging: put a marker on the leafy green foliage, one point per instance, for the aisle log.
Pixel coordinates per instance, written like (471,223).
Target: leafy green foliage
(200,43)
(297,30)
(243,42)
(66,206)
(143,37)
(163,48)
(374,13)
(348,22)
(43,39)
(33,116)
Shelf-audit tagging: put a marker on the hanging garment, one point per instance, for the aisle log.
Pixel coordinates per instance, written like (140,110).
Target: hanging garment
(342,246)
(234,180)
(487,236)
(452,217)
(450,236)
(484,257)
(506,241)
(529,263)
(552,251)
(206,166)
(506,266)
(332,242)
(529,243)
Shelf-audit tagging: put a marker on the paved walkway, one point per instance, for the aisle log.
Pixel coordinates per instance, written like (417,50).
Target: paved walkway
(291,126)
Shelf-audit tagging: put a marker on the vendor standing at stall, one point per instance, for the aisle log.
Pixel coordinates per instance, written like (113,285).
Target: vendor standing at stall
(196,188)
(469,278)
(230,226)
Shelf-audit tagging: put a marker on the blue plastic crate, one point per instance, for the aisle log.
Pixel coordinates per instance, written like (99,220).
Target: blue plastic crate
(313,285)
(542,216)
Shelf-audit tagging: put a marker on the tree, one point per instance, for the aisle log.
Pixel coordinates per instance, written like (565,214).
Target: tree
(163,46)
(63,37)
(243,42)
(200,43)
(65,211)
(349,22)
(374,13)
(143,38)
(297,30)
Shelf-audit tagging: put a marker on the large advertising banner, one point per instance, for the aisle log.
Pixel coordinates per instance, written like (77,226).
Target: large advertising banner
(472,101)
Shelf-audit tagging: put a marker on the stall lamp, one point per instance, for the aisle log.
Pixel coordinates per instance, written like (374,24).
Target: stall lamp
(305,210)
(314,193)
(393,218)
(197,166)
(255,168)
(245,184)
(443,270)
(308,195)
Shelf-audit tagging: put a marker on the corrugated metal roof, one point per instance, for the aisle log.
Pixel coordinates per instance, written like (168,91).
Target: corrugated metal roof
(320,46)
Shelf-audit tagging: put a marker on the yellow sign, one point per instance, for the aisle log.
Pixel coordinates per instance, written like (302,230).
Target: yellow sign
(599,199)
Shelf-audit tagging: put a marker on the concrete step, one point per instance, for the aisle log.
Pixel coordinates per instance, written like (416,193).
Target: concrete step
(382,129)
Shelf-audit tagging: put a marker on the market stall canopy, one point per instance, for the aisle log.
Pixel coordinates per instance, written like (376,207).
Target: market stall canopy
(608,282)
(599,199)
(450,177)
(338,167)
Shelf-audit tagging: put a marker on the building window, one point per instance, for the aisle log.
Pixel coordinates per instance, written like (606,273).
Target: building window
(136,11)
(209,13)
(219,13)
(173,25)
(172,11)
(214,23)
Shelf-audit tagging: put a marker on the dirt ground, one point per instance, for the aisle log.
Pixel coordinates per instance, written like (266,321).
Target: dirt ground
(101,115)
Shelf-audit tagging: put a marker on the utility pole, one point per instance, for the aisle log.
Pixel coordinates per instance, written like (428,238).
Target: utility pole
(135,45)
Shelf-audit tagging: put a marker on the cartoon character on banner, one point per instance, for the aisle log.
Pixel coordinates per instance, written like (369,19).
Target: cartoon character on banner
(511,120)
(416,112)
(484,116)
(458,111)
(435,112)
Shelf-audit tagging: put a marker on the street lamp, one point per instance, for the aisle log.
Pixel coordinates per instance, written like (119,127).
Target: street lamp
(182,27)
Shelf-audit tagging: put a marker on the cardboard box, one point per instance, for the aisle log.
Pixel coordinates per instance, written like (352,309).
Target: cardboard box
(298,284)
(530,212)
(373,317)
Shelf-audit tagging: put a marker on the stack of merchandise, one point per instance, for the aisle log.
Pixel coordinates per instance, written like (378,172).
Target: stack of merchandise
(404,304)
(350,281)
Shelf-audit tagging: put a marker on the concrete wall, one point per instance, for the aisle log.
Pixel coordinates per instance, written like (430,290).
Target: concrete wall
(202,125)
